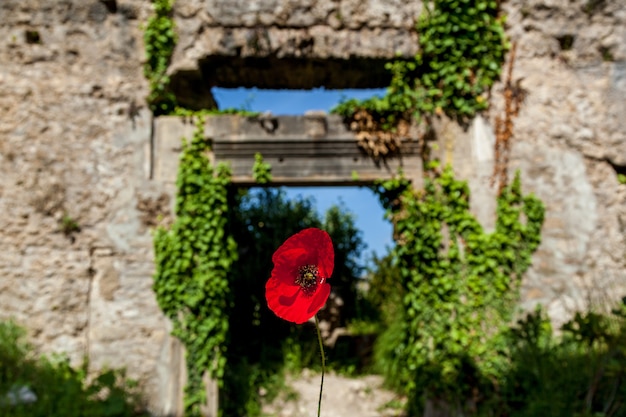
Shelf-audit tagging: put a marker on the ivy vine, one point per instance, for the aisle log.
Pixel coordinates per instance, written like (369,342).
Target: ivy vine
(462,48)
(261,170)
(193,260)
(159,40)
(458,282)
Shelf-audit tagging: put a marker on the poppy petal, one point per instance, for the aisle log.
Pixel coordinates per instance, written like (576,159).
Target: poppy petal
(318,300)
(287,262)
(301,245)
(295,306)
(325,254)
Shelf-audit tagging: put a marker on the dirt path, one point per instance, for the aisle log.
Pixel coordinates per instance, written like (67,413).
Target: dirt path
(342,397)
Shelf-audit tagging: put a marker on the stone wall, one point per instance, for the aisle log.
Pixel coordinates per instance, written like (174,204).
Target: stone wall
(76,148)
(74,141)
(570,143)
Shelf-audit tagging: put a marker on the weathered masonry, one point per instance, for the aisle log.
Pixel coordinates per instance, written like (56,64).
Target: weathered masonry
(314,149)
(283,44)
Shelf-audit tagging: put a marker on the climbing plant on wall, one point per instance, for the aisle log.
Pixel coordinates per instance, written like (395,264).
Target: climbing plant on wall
(462,48)
(458,281)
(159,40)
(193,260)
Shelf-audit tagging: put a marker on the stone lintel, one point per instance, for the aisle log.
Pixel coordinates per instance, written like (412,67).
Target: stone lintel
(310,150)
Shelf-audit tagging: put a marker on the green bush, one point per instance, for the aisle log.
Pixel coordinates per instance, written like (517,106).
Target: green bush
(60,389)
(579,373)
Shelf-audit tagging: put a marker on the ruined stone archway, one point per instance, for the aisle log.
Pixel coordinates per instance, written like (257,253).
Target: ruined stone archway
(75,107)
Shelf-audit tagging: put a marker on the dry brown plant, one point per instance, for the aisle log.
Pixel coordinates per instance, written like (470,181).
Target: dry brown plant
(514,96)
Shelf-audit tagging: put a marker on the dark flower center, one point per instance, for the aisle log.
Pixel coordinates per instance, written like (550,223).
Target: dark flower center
(307,278)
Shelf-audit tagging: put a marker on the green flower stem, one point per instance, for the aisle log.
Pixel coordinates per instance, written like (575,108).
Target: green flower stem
(319,338)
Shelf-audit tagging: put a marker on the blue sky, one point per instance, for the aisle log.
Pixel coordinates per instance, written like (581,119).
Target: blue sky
(369,215)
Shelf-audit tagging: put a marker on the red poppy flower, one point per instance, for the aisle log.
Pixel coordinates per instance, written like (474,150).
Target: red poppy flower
(297,288)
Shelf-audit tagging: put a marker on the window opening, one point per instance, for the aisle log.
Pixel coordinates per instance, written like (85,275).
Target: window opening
(287,102)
